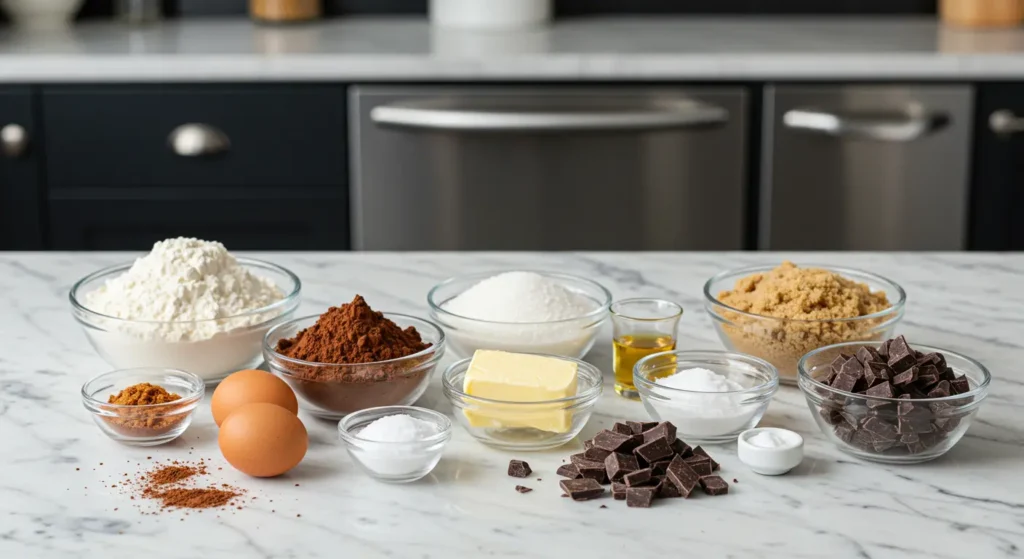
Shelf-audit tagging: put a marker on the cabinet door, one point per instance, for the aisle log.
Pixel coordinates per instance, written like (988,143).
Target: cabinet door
(20,149)
(998,193)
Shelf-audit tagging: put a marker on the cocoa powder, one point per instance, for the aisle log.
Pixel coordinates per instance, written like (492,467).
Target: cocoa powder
(352,333)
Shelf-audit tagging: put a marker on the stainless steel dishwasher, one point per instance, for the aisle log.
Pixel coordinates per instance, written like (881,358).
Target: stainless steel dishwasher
(865,167)
(554,168)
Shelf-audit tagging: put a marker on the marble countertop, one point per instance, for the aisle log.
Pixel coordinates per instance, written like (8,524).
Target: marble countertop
(55,466)
(600,48)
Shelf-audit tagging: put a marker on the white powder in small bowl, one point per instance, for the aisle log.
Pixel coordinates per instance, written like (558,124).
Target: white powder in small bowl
(706,409)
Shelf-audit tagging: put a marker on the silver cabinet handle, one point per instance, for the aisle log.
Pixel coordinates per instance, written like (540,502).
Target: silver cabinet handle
(882,128)
(198,140)
(14,141)
(1004,122)
(520,115)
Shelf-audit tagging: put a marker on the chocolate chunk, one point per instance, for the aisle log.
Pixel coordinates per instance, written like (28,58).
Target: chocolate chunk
(588,444)
(927,370)
(714,485)
(882,429)
(639,497)
(916,447)
(883,390)
(882,445)
(636,427)
(611,441)
(837,365)
(866,355)
(845,382)
(667,489)
(661,466)
(653,451)
(523,489)
(910,438)
(850,419)
(939,408)
(682,476)
(569,470)
(622,428)
(638,478)
(883,350)
(844,432)
(906,377)
(947,374)
(924,382)
(619,464)
(876,372)
(852,368)
(618,491)
(698,451)
(863,439)
(936,359)
(699,464)
(581,489)
(593,470)
(596,454)
(947,424)
(663,430)
(901,357)
(959,385)
(906,425)
(518,468)
(578,457)
(681,448)
(941,390)
(830,415)
(905,407)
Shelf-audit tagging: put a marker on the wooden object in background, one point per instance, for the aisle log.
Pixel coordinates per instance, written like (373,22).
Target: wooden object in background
(982,13)
(285,11)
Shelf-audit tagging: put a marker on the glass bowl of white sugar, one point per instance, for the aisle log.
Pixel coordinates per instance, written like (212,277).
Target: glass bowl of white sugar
(396,444)
(211,324)
(520,311)
(710,396)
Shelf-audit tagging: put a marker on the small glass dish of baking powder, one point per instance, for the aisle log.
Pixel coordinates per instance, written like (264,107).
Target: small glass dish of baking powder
(396,444)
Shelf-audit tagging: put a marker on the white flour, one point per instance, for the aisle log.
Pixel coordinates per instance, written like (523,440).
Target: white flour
(189,282)
(514,302)
(708,414)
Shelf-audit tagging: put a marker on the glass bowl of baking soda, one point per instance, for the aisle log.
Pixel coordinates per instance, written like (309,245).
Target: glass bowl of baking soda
(710,396)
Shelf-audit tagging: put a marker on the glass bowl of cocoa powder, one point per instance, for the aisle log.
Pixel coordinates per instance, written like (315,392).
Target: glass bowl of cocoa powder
(780,313)
(352,358)
(144,406)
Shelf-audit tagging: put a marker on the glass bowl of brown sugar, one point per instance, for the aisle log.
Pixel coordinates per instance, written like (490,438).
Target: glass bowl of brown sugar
(145,406)
(334,390)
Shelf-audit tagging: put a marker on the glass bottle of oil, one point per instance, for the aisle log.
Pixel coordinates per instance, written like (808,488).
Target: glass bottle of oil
(641,327)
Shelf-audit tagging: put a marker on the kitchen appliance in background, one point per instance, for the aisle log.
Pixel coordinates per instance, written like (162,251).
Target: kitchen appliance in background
(488,168)
(865,167)
(489,14)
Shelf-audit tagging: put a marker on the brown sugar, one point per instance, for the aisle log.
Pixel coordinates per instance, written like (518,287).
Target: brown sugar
(809,304)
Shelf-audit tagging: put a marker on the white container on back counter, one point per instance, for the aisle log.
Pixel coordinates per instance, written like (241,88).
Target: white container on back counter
(489,14)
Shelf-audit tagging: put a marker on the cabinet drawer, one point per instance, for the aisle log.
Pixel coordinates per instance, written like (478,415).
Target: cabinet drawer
(252,224)
(20,153)
(258,136)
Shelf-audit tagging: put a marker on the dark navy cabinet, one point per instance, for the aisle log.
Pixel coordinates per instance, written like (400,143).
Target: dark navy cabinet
(997,200)
(21,149)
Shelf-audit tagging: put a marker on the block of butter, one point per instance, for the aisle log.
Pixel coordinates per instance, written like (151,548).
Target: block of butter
(518,377)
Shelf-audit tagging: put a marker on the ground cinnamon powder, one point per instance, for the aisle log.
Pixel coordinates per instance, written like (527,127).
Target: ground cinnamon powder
(144,422)
(143,394)
(172,485)
(352,333)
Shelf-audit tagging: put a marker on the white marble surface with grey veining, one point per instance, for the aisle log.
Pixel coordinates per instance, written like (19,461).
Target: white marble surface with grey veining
(597,48)
(55,500)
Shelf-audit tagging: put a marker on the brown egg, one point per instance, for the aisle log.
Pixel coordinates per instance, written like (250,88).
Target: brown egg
(250,387)
(263,440)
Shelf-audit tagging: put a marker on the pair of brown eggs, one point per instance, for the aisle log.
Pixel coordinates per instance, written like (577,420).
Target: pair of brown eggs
(260,431)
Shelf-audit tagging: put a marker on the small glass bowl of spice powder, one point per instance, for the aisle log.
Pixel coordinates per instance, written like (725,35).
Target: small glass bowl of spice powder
(352,358)
(779,313)
(143,407)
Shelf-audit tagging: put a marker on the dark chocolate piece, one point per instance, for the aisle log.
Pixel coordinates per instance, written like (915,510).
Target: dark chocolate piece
(596,454)
(667,489)
(700,464)
(661,466)
(883,390)
(845,382)
(910,438)
(681,448)
(866,355)
(619,464)
(581,489)
(863,439)
(714,485)
(577,458)
(883,350)
(906,425)
(850,418)
(523,489)
(906,377)
(959,385)
(882,445)
(698,451)
(916,447)
(837,365)
(947,424)
(663,430)
(588,444)
(901,357)
(636,427)
(618,491)
(947,374)
(852,368)
(622,428)
(924,382)
(569,470)
(593,470)
(876,372)
(641,497)
(638,478)
(844,432)
(653,451)
(682,476)
(611,441)
(941,390)
(830,415)
(518,468)
(882,429)
(906,407)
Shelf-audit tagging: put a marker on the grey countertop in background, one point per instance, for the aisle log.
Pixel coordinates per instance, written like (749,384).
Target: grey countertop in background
(408,49)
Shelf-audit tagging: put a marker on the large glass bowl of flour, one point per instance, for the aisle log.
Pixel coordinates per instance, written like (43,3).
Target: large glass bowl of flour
(520,311)
(211,348)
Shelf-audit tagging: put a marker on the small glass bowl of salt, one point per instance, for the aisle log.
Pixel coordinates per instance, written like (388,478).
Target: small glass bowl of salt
(710,396)
(396,444)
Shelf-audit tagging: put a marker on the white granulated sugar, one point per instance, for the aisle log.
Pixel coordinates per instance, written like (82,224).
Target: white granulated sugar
(712,414)
(398,428)
(699,379)
(519,297)
(180,281)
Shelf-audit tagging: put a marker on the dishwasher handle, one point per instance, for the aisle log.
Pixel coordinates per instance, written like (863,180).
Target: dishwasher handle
(446,115)
(896,127)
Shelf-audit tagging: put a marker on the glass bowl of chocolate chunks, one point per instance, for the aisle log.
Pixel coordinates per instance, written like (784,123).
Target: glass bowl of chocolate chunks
(892,402)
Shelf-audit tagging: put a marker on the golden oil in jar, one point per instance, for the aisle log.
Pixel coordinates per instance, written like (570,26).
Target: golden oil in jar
(627,350)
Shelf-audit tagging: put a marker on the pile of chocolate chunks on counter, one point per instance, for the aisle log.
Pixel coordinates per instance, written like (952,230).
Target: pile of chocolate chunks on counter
(642,461)
(894,370)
